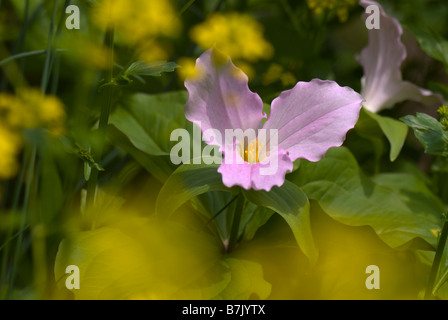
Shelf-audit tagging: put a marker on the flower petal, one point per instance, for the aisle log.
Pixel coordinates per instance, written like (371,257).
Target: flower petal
(258,176)
(313,117)
(382,84)
(219,97)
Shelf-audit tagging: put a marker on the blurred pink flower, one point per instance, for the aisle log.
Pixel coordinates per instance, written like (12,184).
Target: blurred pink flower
(382,83)
(306,121)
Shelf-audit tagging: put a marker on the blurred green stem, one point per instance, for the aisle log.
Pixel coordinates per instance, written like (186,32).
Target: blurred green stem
(104,117)
(437,259)
(23,218)
(236,223)
(10,237)
(26,54)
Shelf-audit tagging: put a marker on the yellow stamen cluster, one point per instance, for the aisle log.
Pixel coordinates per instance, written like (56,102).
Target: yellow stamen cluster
(251,154)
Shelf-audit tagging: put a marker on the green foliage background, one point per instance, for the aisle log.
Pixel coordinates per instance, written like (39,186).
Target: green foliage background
(154,232)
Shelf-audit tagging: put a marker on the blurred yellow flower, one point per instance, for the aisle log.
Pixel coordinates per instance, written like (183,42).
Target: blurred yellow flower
(28,109)
(246,68)
(138,20)
(187,68)
(10,145)
(276,73)
(341,7)
(154,51)
(237,35)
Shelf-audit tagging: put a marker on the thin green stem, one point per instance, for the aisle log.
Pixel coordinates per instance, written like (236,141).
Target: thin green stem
(437,259)
(23,218)
(233,240)
(104,117)
(292,16)
(15,204)
(186,6)
(49,56)
(26,54)
(222,209)
(440,283)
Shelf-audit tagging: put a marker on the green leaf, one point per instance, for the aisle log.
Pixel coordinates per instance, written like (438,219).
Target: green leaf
(187,182)
(429,132)
(432,43)
(246,281)
(292,204)
(159,166)
(412,190)
(141,68)
(394,130)
(140,258)
(258,217)
(148,120)
(350,197)
(373,126)
(128,124)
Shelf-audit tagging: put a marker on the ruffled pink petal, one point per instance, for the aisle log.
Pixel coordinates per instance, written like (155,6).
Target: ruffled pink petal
(382,84)
(313,117)
(258,176)
(219,97)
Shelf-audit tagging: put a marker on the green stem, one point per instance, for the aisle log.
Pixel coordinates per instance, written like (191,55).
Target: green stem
(15,204)
(104,117)
(26,54)
(49,56)
(437,259)
(186,6)
(222,209)
(236,223)
(23,218)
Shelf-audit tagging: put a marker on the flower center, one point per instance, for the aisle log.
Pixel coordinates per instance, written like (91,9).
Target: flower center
(251,154)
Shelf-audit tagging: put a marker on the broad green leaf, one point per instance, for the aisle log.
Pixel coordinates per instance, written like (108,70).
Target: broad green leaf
(372,126)
(139,258)
(429,132)
(395,132)
(187,182)
(246,281)
(141,68)
(257,218)
(350,197)
(159,166)
(412,190)
(128,124)
(149,120)
(292,204)
(433,44)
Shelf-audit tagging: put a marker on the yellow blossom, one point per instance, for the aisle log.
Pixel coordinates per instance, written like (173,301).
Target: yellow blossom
(28,109)
(153,52)
(10,145)
(138,20)
(237,35)
(187,68)
(276,73)
(341,7)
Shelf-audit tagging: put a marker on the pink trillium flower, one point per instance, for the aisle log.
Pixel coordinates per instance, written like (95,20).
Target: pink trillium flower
(382,83)
(304,122)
